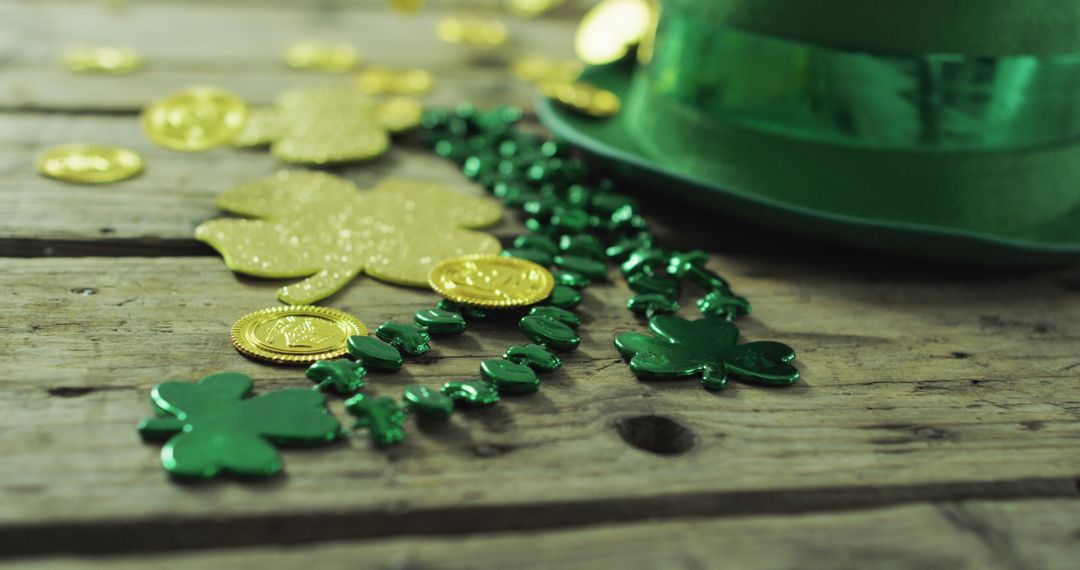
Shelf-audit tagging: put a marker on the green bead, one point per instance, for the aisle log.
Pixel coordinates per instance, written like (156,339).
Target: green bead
(533,241)
(584,245)
(536,256)
(570,220)
(382,416)
(608,203)
(510,377)
(591,268)
(426,402)
(344,376)
(648,283)
(469,312)
(471,393)
(438,321)
(534,356)
(407,338)
(562,315)
(723,304)
(648,259)
(374,354)
(551,333)
(213,427)
(650,304)
(564,297)
(622,249)
(707,348)
(571,279)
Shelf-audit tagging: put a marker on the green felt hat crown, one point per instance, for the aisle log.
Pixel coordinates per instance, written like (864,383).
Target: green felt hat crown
(927,127)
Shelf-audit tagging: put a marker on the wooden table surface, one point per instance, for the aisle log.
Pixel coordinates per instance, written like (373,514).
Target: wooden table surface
(937,424)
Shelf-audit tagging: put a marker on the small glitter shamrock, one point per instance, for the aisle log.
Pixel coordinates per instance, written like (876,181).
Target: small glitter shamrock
(328,125)
(319,226)
(212,427)
(706,347)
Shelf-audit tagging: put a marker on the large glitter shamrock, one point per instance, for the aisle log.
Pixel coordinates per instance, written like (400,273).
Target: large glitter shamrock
(212,428)
(706,347)
(318,225)
(328,125)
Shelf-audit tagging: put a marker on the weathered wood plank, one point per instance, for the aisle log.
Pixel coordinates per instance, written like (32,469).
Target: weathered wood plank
(951,536)
(167,201)
(239,48)
(911,391)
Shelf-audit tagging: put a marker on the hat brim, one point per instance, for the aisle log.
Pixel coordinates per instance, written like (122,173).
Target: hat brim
(609,141)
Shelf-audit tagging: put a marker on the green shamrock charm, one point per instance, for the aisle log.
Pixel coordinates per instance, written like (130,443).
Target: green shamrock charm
(381,415)
(424,401)
(509,377)
(651,304)
(470,313)
(683,348)
(537,256)
(564,297)
(374,353)
(534,356)
(474,393)
(440,321)
(549,332)
(571,279)
(409,339)
(212,427)
(556,314)
(723,303)
(344,376)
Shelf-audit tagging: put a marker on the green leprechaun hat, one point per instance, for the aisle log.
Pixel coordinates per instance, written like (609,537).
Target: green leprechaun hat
(938,129)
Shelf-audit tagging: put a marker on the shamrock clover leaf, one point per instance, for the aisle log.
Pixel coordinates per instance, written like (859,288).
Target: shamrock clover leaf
(328,125)
(683,348)
(319,226)
(211,427)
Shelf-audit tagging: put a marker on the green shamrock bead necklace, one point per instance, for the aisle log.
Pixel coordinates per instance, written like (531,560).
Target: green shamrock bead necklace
(578,224)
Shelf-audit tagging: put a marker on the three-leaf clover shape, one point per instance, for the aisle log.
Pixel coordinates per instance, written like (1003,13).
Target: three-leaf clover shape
(320,226)
(328,125)
(211,427)
(706,347)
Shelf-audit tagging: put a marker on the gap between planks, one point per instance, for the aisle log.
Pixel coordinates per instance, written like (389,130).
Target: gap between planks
(232,531)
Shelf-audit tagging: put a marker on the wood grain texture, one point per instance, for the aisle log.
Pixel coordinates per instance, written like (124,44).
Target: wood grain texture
(927,390)
(910,392)
(949,536)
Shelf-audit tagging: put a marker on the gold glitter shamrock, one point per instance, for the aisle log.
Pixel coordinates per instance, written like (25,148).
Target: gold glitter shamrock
(320,226)
(328,125)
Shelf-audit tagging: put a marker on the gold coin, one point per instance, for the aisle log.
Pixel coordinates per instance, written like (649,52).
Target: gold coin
(532,8)
(475,32)
(299,334)
(611,28)
(491,281)
(263,127)
(582,97)
(406,6)
(88,163)
(103,59)
(399,113)
(322,56)
(377,80)
(541,68)
(195,119)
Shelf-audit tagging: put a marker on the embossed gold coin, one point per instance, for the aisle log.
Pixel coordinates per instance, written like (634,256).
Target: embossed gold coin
(491,281)
(102,59)
(295,335)
(322,56)
(378,80)
(88,163)
(195,119)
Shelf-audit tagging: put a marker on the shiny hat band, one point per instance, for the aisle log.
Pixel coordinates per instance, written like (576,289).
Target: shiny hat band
(914,102)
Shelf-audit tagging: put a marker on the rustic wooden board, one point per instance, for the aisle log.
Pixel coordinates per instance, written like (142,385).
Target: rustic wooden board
(953,536)
(927,390)
(910,392)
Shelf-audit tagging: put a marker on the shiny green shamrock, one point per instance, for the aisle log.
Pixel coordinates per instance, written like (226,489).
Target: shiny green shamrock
(211,427)
(706,347)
